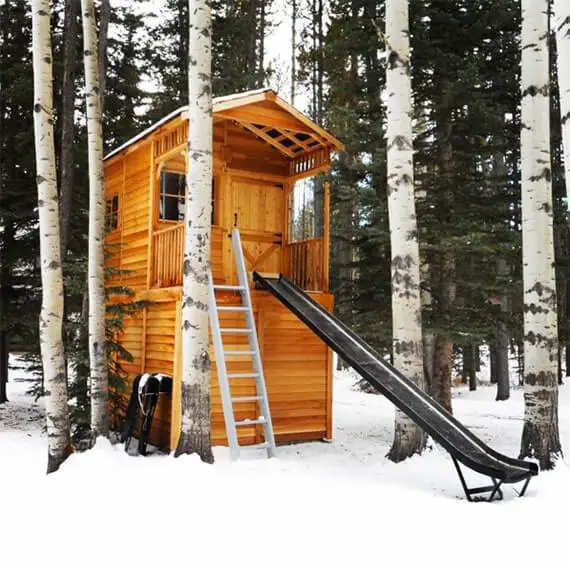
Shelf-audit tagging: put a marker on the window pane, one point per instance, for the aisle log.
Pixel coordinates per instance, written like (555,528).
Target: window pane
(172,191)
(172,196)
(112,213)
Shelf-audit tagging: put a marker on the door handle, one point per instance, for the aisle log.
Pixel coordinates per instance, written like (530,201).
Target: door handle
(235,219)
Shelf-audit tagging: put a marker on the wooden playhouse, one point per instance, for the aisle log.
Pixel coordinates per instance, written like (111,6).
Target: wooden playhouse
(263,148)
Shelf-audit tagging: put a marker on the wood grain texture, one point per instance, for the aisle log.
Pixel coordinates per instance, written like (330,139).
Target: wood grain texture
(252,181)
(297,366)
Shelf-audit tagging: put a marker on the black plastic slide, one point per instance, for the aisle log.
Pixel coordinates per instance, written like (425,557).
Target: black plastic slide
(460,442)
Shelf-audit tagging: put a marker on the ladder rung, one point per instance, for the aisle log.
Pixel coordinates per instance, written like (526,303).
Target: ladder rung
(245,398)
(235,329)
(251,422)
(232,309)
(227,287)
(244,353)
(243,375)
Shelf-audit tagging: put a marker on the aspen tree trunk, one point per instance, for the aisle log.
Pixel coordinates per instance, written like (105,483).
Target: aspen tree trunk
(409,439)
(195,432)
(51,316)
(99,381)
(562,29)
(540,437)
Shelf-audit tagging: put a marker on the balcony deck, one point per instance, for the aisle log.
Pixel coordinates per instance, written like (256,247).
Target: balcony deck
(302,261)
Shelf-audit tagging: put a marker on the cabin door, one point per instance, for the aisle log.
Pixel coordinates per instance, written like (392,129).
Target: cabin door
(258,212)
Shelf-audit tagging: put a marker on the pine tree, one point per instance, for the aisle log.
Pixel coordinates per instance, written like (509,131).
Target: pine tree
(360,257)
(239,29)
(67,119)
(5,239)
(195,432)
(562,30)
(128,51)
(19,246)
(105,13)
(540,438)
(466,105)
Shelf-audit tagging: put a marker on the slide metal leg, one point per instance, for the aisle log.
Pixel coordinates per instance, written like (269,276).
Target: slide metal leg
(524,487)
(494,490)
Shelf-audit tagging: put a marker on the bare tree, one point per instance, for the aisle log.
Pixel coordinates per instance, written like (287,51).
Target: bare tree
(96,270)
(540,437)
(195,433)
(51,316)
(409,438)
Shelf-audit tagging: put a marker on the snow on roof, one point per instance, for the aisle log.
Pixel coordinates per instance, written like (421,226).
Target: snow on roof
(236,96)
(178,112)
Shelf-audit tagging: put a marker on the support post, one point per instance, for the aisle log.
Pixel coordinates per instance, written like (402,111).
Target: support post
(493,490)
(326,234)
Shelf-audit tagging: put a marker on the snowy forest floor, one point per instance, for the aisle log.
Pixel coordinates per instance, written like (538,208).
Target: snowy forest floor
(317,504)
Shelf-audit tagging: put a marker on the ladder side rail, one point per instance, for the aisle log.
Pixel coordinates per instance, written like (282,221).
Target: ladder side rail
(254,343)
(225,390)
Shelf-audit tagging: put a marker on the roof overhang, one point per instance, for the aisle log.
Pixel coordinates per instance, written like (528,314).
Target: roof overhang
(265,115)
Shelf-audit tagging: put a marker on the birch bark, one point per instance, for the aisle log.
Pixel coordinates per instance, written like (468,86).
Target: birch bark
(51,316)
(96,270)
(540,437)
(409,439)
(195,431)
(562,30)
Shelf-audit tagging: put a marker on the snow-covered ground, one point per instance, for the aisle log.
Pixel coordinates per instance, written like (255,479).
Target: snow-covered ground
(319,504)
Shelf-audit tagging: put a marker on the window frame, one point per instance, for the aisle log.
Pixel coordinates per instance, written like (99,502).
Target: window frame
(214,221)
(160,194)
(111,214)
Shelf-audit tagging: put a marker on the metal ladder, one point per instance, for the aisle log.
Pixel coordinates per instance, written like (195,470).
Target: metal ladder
(228,401)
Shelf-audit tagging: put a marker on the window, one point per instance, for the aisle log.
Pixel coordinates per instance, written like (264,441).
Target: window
(171,201)
(172,196)
(112,214)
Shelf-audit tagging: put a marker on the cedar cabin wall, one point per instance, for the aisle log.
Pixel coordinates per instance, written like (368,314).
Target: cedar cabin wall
(251,182)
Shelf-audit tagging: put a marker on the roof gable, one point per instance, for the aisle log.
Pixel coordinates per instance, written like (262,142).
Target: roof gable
(265,115)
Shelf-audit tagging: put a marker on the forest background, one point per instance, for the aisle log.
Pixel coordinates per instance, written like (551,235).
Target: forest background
(466,77)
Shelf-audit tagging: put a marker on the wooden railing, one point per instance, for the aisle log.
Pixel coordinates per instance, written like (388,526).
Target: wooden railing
(168,253)
(304,262)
